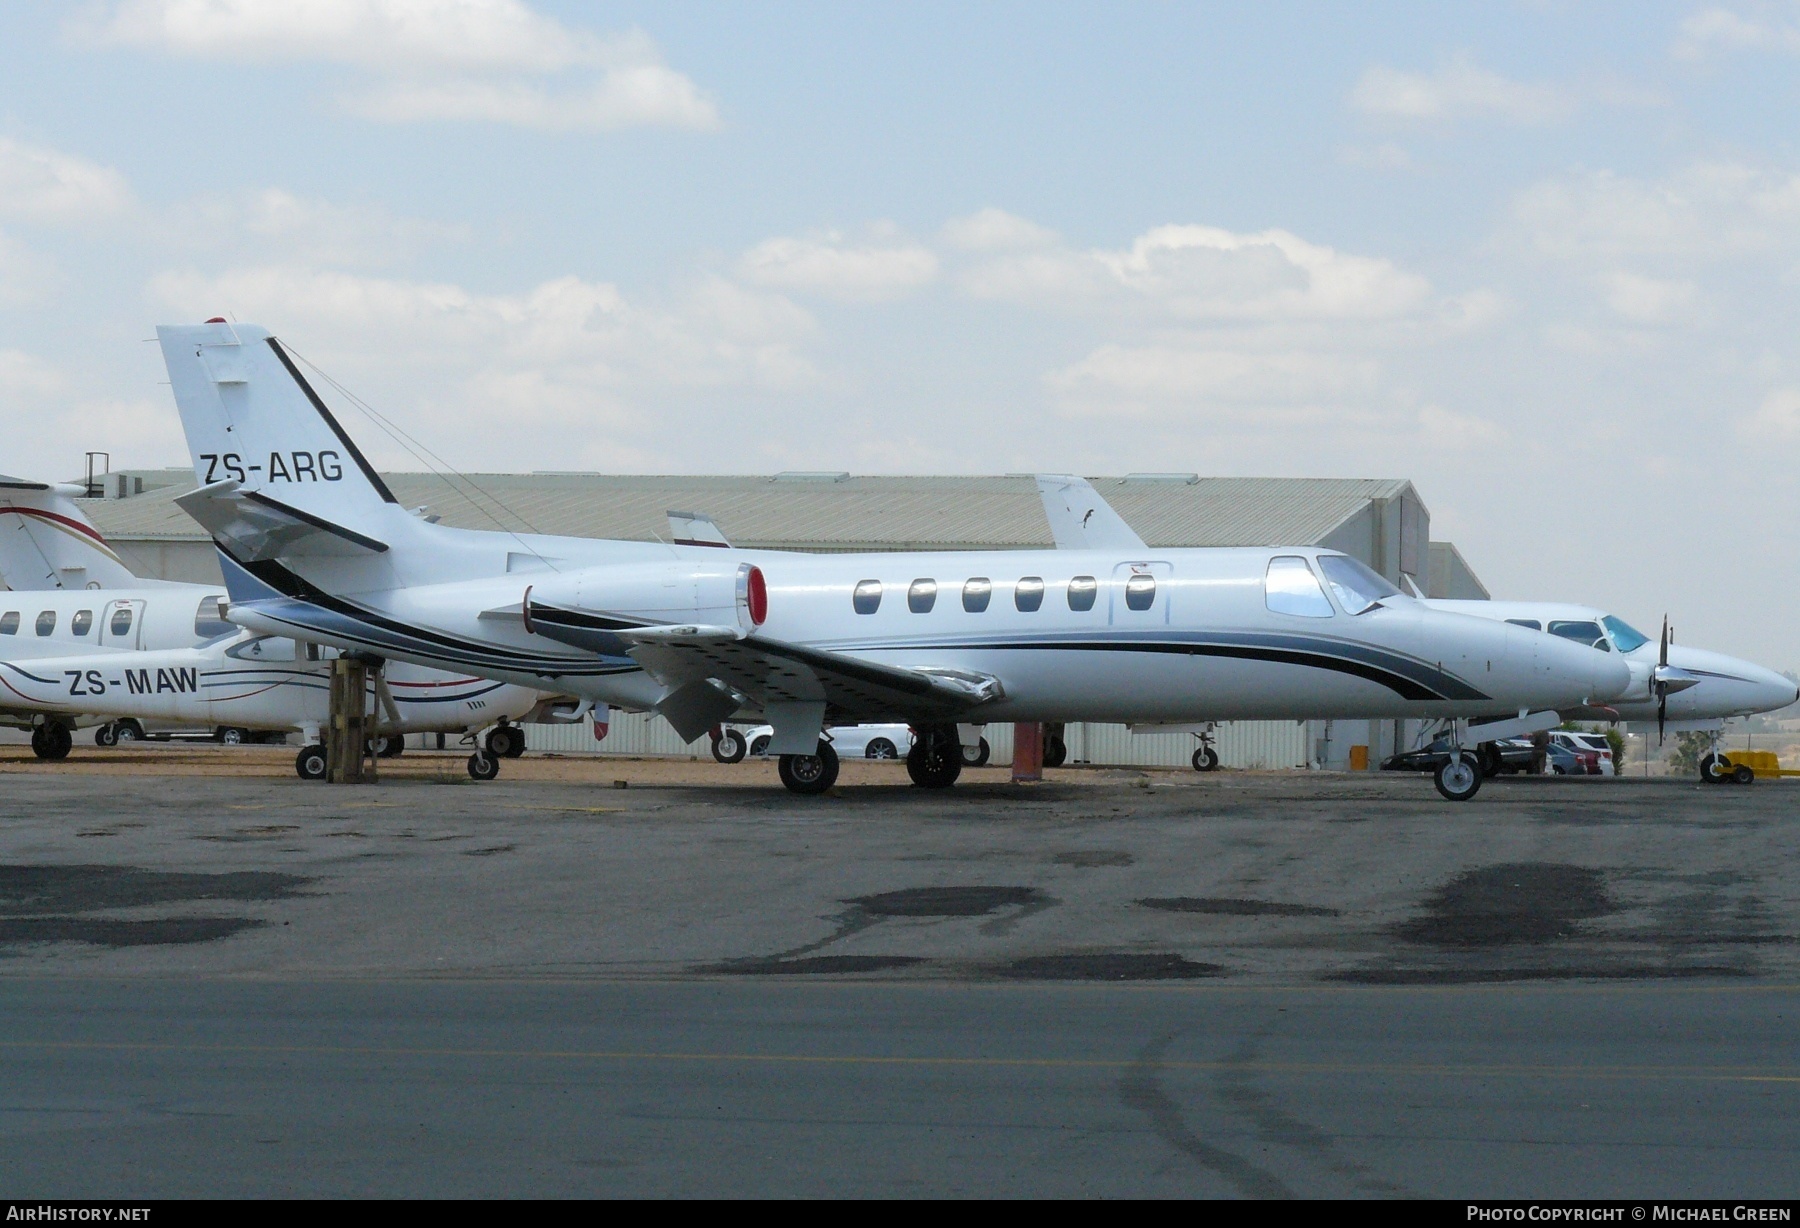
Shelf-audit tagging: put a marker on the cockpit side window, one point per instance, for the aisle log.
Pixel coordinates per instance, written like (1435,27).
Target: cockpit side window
(1290,587)
(1581,631)
(1625,637)
(1530,624)
(1358,588)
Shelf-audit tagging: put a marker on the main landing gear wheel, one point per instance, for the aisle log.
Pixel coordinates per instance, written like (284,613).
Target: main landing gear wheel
(310,762)
(505,742)
(730,747)
(1056,752)
(1491,762)
(808,774)
(106,735)
(1458,777)
(977,756)
(1205,759)
(1715,769)
(52,741)
(935,760)
(390,747)
(484,765)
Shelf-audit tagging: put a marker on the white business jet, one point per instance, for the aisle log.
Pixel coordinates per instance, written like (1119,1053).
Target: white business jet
(315,546)
(108,648)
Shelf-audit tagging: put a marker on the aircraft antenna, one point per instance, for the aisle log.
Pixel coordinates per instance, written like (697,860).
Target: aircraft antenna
(461,483)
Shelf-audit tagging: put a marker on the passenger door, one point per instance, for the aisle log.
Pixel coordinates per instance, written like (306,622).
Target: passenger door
(1139,595)
(122,625)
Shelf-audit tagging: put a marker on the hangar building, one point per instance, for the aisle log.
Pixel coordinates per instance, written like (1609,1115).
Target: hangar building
(1383,522)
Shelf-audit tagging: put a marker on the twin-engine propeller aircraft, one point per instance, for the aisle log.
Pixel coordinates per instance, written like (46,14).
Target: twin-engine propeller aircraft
(1675,686)
(315,546)
(85,642)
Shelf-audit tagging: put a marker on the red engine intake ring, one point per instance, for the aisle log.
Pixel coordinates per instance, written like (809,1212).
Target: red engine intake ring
(756,596)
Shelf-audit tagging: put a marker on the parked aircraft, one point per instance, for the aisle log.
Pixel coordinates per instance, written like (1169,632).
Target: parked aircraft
(1672,685)
(159,653)
(314,545)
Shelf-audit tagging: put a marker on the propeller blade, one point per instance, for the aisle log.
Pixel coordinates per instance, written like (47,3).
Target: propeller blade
(1662,713)
(1663,655)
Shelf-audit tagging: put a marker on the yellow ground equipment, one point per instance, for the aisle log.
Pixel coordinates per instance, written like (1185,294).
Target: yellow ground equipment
(1762,763)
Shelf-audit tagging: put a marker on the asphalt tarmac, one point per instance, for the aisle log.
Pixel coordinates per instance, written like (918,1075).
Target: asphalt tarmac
(1113,984)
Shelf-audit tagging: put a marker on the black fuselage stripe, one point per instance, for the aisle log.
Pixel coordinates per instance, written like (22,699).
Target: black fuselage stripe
(362,462)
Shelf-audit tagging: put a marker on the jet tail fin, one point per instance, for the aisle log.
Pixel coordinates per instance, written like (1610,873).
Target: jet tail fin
(252,419)
(47,541)
(1080,519)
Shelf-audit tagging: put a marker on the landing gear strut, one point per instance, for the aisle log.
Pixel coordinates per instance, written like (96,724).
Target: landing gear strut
(935,760)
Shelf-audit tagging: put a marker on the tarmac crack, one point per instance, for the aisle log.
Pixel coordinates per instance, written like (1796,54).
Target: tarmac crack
(1141,1090)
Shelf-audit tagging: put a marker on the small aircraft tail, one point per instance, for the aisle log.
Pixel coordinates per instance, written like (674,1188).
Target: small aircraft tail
(253,420)
(47,541)
(1080,519)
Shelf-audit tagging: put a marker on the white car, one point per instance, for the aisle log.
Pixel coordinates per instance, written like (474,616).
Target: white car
(850,741)
(1595,742)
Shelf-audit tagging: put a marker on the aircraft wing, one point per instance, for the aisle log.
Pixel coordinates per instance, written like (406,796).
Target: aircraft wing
(1080,519)
(258,527)
(773,671)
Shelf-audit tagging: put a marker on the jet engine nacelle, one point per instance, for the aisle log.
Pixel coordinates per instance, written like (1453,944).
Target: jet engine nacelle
(730,594)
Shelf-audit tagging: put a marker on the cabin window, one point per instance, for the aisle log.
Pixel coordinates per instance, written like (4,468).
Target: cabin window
(120,624)
(976,594)
(1626,637)
(209,619)
(1028,593)
(1358,588)
(9,623)
(1082,591)
(46,622)
(82,623)
(1581,632)
(921,596)
(1140,592)
(1291,588)
(1530,624)
(867,597)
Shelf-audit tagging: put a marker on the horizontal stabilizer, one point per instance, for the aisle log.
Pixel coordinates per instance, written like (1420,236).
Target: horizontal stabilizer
(257,527)
(696,529)
(1080,519)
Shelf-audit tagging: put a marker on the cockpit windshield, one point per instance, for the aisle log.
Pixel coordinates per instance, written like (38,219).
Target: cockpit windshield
(1581,631)
(1626,636)
(1358,588)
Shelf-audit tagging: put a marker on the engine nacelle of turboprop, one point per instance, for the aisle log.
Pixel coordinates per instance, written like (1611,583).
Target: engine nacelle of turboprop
(728,594)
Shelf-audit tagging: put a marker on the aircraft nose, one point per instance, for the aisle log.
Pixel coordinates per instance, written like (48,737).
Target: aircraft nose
(1612,677)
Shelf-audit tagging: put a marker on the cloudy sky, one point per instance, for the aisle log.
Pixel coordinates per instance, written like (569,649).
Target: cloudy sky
(1541,258)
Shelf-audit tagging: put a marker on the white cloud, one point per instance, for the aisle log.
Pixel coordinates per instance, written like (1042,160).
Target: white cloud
(44,185)
(25,275)
(1778,417)
(274,224)
(996,230)
(491,60)
(565,330)
(1459,89)
(1648,300)
(1717,30)
(1706,211)
(835,267)
(1448,430)
(1128,378)
(22,374)
(1203,272)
